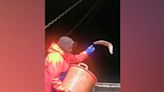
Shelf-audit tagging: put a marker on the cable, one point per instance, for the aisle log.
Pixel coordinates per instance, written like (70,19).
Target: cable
(89,21)
(83,18)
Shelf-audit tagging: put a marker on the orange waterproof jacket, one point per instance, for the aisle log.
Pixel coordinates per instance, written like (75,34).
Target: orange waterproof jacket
(57,62)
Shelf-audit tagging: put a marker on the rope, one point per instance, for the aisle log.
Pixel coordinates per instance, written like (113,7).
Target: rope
(61,15)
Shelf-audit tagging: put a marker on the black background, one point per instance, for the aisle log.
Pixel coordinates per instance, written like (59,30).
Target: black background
(103,22)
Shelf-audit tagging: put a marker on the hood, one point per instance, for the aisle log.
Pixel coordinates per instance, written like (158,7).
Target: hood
(55,47)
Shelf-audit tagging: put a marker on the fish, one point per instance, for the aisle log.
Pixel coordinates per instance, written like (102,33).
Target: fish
(105,43)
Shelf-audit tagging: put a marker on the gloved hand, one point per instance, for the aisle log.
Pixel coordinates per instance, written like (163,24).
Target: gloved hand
(90,49)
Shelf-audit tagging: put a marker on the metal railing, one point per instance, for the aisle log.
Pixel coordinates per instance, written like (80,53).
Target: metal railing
(106,87)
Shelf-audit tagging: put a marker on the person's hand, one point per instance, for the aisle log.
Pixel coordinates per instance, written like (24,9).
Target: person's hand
(63,89)
(90,49)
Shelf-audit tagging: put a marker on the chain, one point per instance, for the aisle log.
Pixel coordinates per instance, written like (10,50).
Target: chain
(65,12)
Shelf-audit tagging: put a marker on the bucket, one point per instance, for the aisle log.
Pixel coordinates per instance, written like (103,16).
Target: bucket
(79,79)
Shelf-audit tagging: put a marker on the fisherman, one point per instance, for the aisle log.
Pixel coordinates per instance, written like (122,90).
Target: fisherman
(58,61)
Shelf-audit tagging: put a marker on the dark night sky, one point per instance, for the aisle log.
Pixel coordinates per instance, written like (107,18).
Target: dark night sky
(103,22)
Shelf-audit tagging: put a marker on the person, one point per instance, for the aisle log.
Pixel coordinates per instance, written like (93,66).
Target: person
(58,61)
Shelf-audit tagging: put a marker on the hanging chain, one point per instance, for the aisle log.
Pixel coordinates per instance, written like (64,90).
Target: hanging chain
(66,11)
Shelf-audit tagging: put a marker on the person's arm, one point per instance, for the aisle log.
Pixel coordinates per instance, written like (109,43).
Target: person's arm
(53,68)
(80,57)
